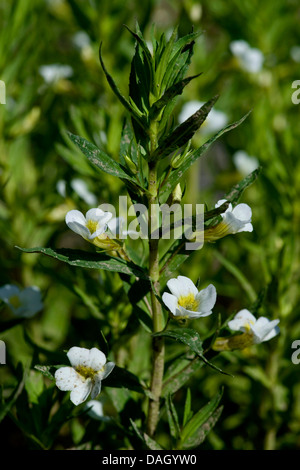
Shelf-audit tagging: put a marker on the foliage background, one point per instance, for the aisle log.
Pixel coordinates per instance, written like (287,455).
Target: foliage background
(261,399)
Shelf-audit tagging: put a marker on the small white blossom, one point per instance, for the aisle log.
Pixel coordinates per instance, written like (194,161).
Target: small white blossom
(90,226)
(23,303)
(54,72)
(245,163)
(262,328)
(95,410)
(237,219)
(81,39)
(214,122)
(89,368)
(185,301)
(80,187)
(250,59)
(295,53)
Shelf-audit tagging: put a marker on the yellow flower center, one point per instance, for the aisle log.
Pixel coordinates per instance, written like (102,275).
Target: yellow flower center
(86,372)
(15,301)
(92,225)
(248,326)
(188,302)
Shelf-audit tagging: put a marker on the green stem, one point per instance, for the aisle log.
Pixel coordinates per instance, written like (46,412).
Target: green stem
(158,347)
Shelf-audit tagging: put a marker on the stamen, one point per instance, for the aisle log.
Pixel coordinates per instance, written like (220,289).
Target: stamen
(15,301)
(188,302)
(92,225)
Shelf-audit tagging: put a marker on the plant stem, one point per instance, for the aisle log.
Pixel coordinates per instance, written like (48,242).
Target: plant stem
(158,348)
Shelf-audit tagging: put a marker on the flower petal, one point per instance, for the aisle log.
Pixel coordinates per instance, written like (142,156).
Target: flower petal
(220,202)
(79,229)
(96,389)
(264,329)
(66,378)
(7,291)
(81,392)
(241,320)
(108,368)
(75,216)
(170,301)
(242,212)
(97,359)
(207,298)
(182,286)
(98,215)
(233,224)
(79,356)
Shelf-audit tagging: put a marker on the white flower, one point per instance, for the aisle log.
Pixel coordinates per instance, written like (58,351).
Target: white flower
(81,39)
(215,120)
(95,410)
(23,303)
(249,58)
(54,72)
(295,53)
(262,329)
(237,219)
(91,226)
(89,368)
(186,301)
(245,163)
(80,187)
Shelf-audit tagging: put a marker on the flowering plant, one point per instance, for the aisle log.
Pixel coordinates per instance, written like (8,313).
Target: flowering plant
(155,156)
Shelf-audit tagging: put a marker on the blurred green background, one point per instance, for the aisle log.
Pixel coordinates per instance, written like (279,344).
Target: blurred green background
(39,167)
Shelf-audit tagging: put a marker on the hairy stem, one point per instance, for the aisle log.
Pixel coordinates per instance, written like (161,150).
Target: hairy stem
(158,348)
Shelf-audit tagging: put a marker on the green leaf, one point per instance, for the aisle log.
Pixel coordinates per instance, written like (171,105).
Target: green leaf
(200,434)
(197,428)
(236,192)
(122,378)
(192,339)
(183,133)
(177,174)
(179,59)
(187,336)
(6,406)
(187,415)
(99,158)
(172,417)
(179,378)
(85,259)
(147,440)
(174,90)
(134,111)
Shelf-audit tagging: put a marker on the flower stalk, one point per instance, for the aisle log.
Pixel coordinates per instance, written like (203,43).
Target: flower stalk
(158,346)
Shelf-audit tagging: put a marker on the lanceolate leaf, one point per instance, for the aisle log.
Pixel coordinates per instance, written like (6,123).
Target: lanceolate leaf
(184,132)
(187,336)
(195,431)
(85,259)
(99,158)
(169,94)
(179,379)
(172,417)
(177,174)
(200,434)
(192,339)
(236,192)
(147,440)
(126,103)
